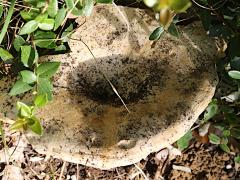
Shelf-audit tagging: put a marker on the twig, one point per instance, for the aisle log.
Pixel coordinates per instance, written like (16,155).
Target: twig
(63,167)
(77,171)
(105,76)
(124,17)
(140,170)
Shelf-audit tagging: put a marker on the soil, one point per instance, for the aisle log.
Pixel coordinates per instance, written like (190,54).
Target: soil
(205,161)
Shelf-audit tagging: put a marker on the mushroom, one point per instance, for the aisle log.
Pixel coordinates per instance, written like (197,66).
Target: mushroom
(118,96)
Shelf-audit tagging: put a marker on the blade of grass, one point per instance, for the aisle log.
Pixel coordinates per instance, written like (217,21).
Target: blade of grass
(8,19)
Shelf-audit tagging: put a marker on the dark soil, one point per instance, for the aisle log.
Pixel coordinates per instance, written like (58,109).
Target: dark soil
(206,161)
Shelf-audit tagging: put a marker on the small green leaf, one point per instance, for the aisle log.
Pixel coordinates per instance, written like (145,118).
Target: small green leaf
(47,69)
(61,47)
(41,17)
(211,110)
(41,100)
(25,54)
(225,148)
(156,34)
(28,15)
(214,139)
(46,24)
(183,142)
(67,33)
(19,87)
(18,124)
(234,74)
(226,133)
(29,27)
(18,42)
(23,110)
(44,39)
(28,76)
(88,7)
(45,87)
(237,159)
(35,125)
(5,55)
(104,1)
(173,30)
(52,8)
(59,18)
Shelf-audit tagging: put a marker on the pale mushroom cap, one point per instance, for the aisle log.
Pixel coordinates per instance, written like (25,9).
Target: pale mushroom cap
(165,84)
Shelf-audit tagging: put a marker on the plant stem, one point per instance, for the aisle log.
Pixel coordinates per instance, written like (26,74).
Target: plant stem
(8,19)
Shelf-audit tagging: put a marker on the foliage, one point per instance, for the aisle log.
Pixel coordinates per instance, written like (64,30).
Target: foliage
(183,142)
(41,26)
(221,19)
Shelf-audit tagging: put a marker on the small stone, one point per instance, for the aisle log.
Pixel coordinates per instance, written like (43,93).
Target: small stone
(229,166)
(73,177)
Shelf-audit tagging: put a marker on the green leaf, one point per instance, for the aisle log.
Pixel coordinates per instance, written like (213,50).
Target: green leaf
(29,27)
(23,110)
(28,15)
(41,17)
(35,125)
(1,10)
(183,142)
(59,18)
(45,87)
(26,55)
(214,139)
(28,76)
(19,87)
(156,34)
(18,42)
(226,133)
(234,74)
(5,55)
(61,47)
(52,8)
(237,159)
(225,148)
(41,100)
(84,8)
(210,111)
(44,39)
(18,124)
(173,30)
(47,69)
(88,7)
(67,33)
(70,4)
(46,24)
